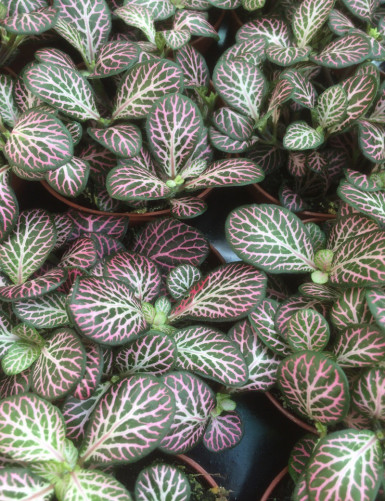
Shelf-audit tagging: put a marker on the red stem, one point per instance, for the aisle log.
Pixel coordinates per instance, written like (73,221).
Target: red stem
(274,484)
(289,415)
(197,467)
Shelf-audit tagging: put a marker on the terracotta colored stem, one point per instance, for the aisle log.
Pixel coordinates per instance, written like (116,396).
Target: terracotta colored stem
(274,484)
(289,415)
(198,468)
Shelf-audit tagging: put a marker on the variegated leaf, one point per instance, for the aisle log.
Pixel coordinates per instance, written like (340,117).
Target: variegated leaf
(143,85)
(46,312)
(69,179)
(162,481)
(60,365)
(81,254)
(303,91)
(93,372)
(250,50)
(8,109)
(154,353)
(273,30)
(354,225)
(63,88)
(351,309)
(262,322)
(345,51)
(290,199)
(360,261)
(176,38)
(124,140)
(376,301)
(9,207)
(90,20)
(291,305)
(332,106)
(371,204)
(194,67)
(31,23)
(300,136)
(105,310)
(234,125)
(19,357)
(309,18)
(308,330)
(31,429)
(339,23)
(39,142)
(114,57)
(112,226)
(138,17)
(241,85)
(368,393)
(360,346)
(228,293)
(181,279)
(26,249)
(21,484)
(262,364)
(171,243)
(363,9)
(138,272)
(314,386)
(14,385)
(363,181)
(76,131)
(271,238)
(346,465)
(371,140)
(54,56)
(318,291)
(132,429)
(187,207)
(194,401)
(35,287)
(91,484)
(286,56)
(300,455)
(229,172)
(160,9)
(223,432)
(210,354)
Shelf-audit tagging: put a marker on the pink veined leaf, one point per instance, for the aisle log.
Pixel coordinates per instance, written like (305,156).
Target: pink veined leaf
(345,227)
(314,386)
(64,227)
(105,245)
(332,106)
(368,394)
(241,85)
(378,113)
(235,125)
(376,301)
(300,136)
(170,243)
(226,4)
(8,108)
(262,323)
(143,85)
(26,249)
(272,30)
(349,462)
(132,429)
(54,56)
(181,279)
(262,363)
(124,140)
(176,38)
(210,354)
(76,131)
(195,22)
(194,67)
(229,172)
(351,309)
(38,142)
(224,143)
(360,346)
(339,23)
(318,291)
(297,163)
(290,306)
(343,52)
(138,17)
(303,92)
(86,25)
(138,272)
(91,483)
(363,181)
(307,330)
(309,18)
(7,337)
(105,310)
(286,56)
(228,293)
(23,96)
(363,9)
(187,207)
(300,455)
(69,179)
(113,226)
(361,91)
(290,199)
(100,160)
(130,182)
(360,261)
(27,175)
(76,413)
(114,57)
(20,483)
(31,429)
(371,140)
(153,353)
(20,356)
(81,254)
(93,372)
(194,401)
(260,235)
(9,207)
(63,88)
(60,365)
(46,312)
(223,432)
(160,9)
(35,287)
(14,385)
(368,203)
(357,421)
(249,50)
(31,23)
(159,481)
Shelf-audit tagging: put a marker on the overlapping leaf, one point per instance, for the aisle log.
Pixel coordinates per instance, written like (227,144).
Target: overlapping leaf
(300,136)
(124,140)
(360,346)
(46,312)
(162,481)
(223,432)
(69,179)
(21,484)
(114,57)
(309,18)
(350,309)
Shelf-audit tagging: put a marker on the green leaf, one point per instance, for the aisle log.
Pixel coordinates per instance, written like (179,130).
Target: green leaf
(300,136)
(162,481)
(332,106)
(309,18)
(19,357)
(138,17)
(20,484)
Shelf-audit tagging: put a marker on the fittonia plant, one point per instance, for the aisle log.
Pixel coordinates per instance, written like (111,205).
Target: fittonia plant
(327,340)
(288,97)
